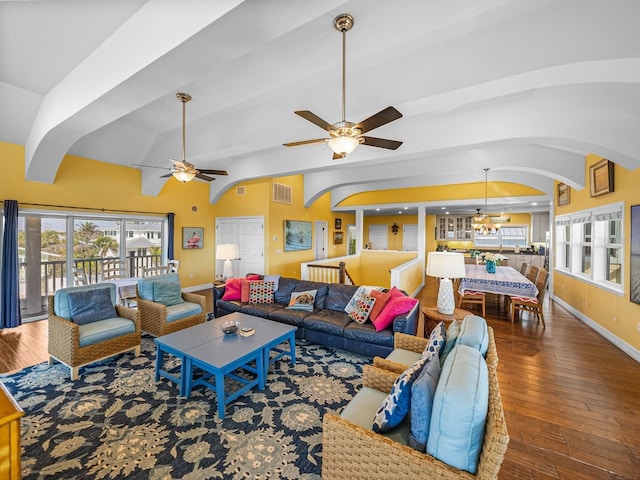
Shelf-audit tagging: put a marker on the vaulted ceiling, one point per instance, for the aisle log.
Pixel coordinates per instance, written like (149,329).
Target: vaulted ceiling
(525,88)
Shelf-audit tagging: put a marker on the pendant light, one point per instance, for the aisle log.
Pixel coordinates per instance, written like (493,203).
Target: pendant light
(481,223)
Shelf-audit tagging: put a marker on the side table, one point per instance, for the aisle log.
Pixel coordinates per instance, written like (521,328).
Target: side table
(432,317)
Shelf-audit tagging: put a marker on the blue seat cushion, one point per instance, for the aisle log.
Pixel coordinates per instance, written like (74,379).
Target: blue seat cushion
(260,309)
(146,285)
(61,304)
(290,317)
(460,408)
(338,296)
(182,310)
(327,321)
(366,332)
(404,357)
(102,330)
(474,333)
(422,393)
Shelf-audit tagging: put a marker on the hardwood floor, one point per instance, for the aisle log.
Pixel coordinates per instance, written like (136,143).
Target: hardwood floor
(571,399)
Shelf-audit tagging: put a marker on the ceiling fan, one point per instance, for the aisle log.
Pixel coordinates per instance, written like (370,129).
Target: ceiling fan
(345,136)
(183,170)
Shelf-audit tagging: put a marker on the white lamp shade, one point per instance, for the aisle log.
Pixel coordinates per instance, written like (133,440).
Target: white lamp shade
(343,145)
(445,265)
(184,176)
(227,251)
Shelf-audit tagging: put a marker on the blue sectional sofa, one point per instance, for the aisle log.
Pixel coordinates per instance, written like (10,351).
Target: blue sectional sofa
(327,324)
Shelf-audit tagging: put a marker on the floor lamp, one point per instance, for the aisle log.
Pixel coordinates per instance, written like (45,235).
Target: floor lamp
(446,266)
(227,252)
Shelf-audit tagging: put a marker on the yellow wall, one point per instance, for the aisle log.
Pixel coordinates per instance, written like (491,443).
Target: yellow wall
(378,264)
(394,242)
(614,312)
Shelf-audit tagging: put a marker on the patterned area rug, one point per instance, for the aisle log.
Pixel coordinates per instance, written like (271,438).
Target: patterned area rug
(115,421)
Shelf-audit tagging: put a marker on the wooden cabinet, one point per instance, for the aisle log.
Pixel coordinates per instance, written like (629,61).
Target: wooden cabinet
(10,414)
(453,228)
(539,227)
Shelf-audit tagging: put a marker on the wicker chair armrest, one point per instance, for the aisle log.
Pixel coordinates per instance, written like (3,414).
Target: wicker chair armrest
(64,335)
(388,365)
(378,378)
(149,305)
(409,342)
(195,298)
(129,313)
(492,352)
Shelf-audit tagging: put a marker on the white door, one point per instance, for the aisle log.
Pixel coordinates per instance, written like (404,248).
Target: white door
(321,236)
(378,236)
(410,237)
(248,234)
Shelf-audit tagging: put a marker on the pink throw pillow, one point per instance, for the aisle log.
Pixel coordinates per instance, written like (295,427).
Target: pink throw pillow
(255,276)
(381,301)
(394,292)
(395,306)
(232,289)
(246,286)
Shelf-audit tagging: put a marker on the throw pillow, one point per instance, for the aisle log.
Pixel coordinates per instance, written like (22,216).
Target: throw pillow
(452,335)
(436,342)
(89,306)
(302,300)
(354,300)
(261,292)
(396,405)
(244,290)
(422,392)
(393,308)
(232,289)
(381,300)
(394,292)
(362,309)
(167,293)
(273,278)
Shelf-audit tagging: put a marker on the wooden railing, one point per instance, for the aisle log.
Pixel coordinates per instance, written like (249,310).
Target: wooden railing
(330,274)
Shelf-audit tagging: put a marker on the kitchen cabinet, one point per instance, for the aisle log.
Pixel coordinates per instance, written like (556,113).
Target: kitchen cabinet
(453,228)
(539,227)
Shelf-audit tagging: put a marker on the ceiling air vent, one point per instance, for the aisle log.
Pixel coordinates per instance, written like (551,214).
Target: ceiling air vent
(281,193)
(241,191)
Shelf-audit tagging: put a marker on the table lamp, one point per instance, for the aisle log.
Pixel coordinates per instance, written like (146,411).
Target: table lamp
(227,252)
(446,265)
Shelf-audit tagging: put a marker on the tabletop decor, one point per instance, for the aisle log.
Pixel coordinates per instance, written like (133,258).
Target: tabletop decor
(445,266)
(490,262)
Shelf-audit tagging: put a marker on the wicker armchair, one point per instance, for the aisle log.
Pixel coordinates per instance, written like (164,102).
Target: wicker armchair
(64,338)
(352,452)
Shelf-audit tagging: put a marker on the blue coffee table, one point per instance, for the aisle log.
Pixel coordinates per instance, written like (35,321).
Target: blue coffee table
(208,356)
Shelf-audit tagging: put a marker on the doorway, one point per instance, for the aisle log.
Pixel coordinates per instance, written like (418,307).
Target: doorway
(248,234)
(322,237)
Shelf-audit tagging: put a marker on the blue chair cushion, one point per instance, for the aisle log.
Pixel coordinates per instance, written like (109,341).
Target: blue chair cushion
(61,304)
(97,332)
(182,310)
(91,306)
(460,408)
(167,293)
(451,336)
(422,392)
(474,334)
(146,285)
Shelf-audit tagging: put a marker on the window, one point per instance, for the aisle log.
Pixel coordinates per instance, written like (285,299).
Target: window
(510,236)
(589,244)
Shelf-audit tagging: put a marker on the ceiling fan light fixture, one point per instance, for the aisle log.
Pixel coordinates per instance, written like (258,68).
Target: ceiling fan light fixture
(343,145)
(184,176)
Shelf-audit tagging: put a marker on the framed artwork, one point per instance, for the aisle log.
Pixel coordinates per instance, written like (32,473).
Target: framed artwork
(338,238)
(635,254)
(338,225)
(192,237)
(601,177)
(564,194)
(297,235)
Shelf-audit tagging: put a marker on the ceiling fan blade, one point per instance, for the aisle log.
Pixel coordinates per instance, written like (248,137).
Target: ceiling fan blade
(167,175)
(180,165)
(338,156)
(204,177)
(313,118)
(381,142)
(213,172)
(376,120)
(306,142)
(150,166)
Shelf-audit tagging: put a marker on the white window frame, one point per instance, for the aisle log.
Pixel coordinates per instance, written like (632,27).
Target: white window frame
(599,242)
(498,237)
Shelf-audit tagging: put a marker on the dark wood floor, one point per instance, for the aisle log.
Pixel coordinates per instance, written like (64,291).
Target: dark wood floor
(572,400)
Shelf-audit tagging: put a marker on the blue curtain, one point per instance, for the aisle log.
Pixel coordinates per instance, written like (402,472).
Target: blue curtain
(170,221)
(10,296)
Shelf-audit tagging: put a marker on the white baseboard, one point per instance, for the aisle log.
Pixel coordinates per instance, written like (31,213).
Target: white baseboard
(617,341)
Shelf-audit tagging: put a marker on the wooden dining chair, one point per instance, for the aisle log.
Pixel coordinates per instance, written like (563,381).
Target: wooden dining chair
(470,297)
(523,268)
(532,305)
(154,271)
(533,273)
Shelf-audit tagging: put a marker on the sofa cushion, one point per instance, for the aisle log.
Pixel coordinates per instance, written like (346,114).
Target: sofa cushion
(362,309)
(102,330)
(321,289)
(229,305)
(395,406)
(290,317)
(422,393)
(167,293)
(61,298)
(182,310)
(87,306)
(435,343)
(302,300)
(261,292)
(263,310)
(394,307)
(327,321)
(366,333)
(474,333)
(338,296)
(146,285)
(233,289)
(381,300)
(460,408)
(285,287)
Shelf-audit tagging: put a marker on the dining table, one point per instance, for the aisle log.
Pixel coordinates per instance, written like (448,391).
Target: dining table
(505,281)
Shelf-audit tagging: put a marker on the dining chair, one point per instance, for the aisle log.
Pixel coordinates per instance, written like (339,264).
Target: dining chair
(154,271)
(470,297)
(533,273)
(523,268)
(532,305)
(80,277)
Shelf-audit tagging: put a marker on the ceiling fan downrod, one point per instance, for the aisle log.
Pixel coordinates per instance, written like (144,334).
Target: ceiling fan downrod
(343,23)
(184,98)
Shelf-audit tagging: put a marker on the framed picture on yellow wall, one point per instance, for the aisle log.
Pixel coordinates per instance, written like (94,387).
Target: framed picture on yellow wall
(564,194)
(601,178)
(338,224)
(338,238)
(192,237)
